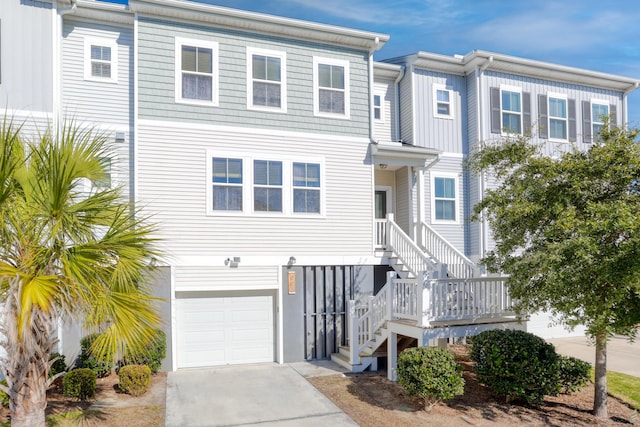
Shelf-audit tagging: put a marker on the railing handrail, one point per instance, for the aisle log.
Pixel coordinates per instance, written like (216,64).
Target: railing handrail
(470,265)
(394,231)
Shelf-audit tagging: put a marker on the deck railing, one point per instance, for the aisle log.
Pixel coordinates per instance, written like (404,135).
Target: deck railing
(458,265)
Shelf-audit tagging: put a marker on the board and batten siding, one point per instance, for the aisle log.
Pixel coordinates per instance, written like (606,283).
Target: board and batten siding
(208,278)
(444,134)
(406,108)
(385,129)
(156,52)
(403,199)
(26,82)
(172,186)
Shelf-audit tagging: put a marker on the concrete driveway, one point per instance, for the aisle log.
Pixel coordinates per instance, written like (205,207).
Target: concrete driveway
(268,395)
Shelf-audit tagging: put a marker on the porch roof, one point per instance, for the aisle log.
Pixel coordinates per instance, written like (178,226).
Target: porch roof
(398,154)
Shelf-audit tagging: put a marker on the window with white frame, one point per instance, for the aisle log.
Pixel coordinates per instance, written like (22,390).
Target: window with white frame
(267,186)
(442,102)
(331,87)
(266,79)
(196,71)
(599,113)
(558,117)
(104,182)
(511,110)
(100,60)
(226,174)
(377,107)
(444,200)
(306,188)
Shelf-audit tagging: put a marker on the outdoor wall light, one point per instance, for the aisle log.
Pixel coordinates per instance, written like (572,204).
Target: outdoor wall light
(292,260)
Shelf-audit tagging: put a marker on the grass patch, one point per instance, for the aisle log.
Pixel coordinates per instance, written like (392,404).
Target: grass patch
(74,418)
(623,387)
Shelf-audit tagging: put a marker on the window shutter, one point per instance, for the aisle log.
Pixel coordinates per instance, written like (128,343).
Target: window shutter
(571,107)
(526,113)
(543,125)
(613,120)
(586,121)
(495,109)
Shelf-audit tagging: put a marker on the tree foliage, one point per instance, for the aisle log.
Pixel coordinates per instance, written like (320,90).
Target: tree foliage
(567,229)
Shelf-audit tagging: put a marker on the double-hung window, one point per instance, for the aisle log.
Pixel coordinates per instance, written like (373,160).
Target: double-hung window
(226,184)
(101,60)
(557,117)
(306,187)
(599,113)
(442,98)
(196,71)
(267,186)
(444,199)
(266,80)
(377,107)
(511,107)
(331,87)
(105,180)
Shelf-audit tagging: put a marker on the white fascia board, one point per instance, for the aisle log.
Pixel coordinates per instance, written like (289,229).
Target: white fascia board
(102,11)
(384,70)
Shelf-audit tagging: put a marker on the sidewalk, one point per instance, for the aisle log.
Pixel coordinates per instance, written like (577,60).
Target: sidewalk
(622,356)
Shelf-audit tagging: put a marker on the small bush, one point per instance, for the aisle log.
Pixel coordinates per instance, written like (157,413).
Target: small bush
(574,374)
(134,379)
(516,365)
(4,397)
(89,361)
(431,373)
(59,365)
(153,355)
(80,383)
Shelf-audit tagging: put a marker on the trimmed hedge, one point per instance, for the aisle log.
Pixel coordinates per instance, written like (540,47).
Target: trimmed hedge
(134,379)
(431,373)
(59,365)
(516,365)
(80,383)
(574,374)
(153,356)
(89,361)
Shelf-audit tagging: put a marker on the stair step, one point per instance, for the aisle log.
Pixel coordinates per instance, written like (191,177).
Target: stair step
(343,361)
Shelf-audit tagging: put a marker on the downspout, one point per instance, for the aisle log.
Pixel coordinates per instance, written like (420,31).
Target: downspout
(484,226)
(376,43)
(625,113)
(396,116)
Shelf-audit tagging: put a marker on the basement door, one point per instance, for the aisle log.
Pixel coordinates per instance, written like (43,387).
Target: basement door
(220,329)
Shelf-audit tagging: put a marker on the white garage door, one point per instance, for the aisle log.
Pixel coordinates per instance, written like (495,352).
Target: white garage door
(224,330)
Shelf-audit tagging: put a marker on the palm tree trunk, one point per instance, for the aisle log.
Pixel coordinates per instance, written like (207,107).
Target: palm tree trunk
(600,393)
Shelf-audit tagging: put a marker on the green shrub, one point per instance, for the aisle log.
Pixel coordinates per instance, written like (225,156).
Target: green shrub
(4,397)
(516,365)
(89,361)
(574,374)
(431,373)
(80,383)
(153,355)
(59,365)
(134,379)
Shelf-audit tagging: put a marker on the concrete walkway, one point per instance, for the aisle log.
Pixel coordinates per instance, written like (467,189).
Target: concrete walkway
(266,394)
(622,356)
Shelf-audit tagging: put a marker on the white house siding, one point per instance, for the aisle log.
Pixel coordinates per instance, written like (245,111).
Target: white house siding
(26,80)
(172,164)
(403,198)
(445,134)
(223,278)
(406,108)
(156,41)
(106,106)
(384,129)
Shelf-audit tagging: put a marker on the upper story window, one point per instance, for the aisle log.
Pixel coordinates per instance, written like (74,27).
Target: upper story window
(599,113)
(226,184)
(266,80)
(510,110)
(331,87)
(377,107)
(306,187)
(267,186)
(196,71)
(444,199)
(105,181)
(594,115)
(100,60)
(558,117)
(442,106)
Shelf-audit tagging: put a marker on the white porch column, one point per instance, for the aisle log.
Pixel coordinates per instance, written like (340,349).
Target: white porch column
(392,356)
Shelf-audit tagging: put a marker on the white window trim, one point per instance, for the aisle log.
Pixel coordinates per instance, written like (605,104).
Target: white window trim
(316,89)
(436,88)
(517,89)
(381,107)
(248,185)
(598,120)
(566,119)
(180,41)
(283,79)
(110,43)
(457,199)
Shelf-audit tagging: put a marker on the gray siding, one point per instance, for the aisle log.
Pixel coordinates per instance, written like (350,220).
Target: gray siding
(444,134)
(157,80)
(385,129)
(403,199)
(406,107)
(26,56)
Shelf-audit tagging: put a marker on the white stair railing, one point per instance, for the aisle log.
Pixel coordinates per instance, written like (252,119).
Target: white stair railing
(381,233)
(444,252)
(407,250)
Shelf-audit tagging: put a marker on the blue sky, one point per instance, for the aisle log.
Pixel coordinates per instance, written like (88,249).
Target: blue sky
(593,34)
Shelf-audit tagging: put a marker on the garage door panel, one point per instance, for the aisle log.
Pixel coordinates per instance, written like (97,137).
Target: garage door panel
(225,330)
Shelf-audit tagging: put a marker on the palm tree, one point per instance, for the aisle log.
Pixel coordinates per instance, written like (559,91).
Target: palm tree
(65,252)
